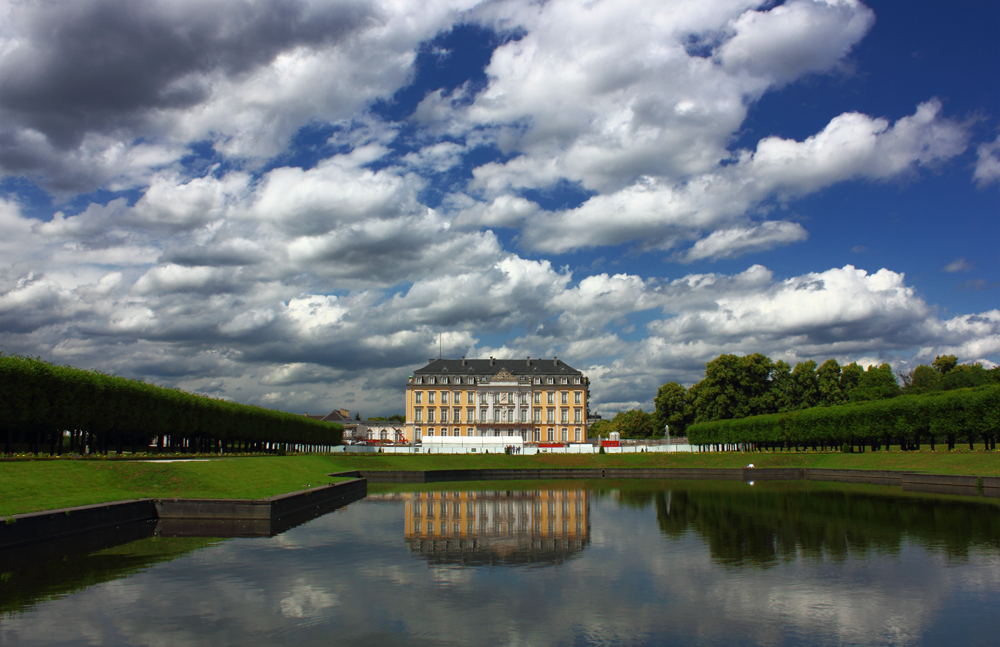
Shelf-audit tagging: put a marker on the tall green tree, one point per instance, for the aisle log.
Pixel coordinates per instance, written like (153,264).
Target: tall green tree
(734,387)
(944,364)
(828,382)
(964,376)
(671,408)
(782,390)
(922,379)
(635,423)
(805,385)
(877,383)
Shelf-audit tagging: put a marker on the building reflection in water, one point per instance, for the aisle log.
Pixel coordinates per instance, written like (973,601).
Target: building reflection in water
(497,527)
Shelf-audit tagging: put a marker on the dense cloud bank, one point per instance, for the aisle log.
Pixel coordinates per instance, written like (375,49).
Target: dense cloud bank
(306,286)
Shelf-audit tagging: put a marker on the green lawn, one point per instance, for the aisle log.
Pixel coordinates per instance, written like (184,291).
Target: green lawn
(28,486)
(979,463)
(45,485)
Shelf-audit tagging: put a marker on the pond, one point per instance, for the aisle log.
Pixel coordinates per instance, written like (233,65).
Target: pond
(538,563)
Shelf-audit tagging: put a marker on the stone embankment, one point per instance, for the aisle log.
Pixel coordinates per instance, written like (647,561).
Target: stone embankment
(184,517)
(909,481)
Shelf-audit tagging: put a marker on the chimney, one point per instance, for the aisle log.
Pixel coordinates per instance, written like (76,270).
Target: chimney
(491,360)
(430,361)
(555,360)
(529,360)
(463,360)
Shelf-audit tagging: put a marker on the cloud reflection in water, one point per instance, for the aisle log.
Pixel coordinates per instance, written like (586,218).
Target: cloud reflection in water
(653,563)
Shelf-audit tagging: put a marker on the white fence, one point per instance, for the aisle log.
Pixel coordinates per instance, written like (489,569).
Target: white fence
(496,445)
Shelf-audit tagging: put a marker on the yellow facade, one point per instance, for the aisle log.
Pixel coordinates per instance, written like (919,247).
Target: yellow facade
(543,401)
(502,525)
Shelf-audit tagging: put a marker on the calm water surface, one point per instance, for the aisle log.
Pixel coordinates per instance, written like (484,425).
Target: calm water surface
(629,563)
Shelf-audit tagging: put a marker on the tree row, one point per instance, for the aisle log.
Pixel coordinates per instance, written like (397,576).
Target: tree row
(966,414)
(737,387)
(40,401)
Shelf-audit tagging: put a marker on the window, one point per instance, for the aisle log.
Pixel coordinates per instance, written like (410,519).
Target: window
(418,397)
(565,434)
(577,416)
(430,397)
(444,414)
(420,380)
(458,380)
(417,434)
(472,380)
(418,415)
(538,435)
(564,416)
(470,414)
(576,434)
(552,434)
(496,415)
(524,415)
(576,380)
(564,399)
(456,397)
(457,431)
(444,397)
(537,380)
(430,415)
(482,398)
(444,380)
(457,412)
(551,417)
(538,397)
(431,380)
(482,415)
(537,415)
(576,397)
(551,394)
(430,431)
(548,380)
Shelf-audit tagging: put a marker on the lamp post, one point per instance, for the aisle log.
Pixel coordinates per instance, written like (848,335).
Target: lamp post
(666,429)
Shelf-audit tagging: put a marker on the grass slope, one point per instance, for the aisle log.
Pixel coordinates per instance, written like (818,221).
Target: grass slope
(45,485)
(977,463)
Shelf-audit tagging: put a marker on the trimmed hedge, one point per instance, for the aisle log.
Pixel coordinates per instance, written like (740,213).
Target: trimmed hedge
(969,414)
(37,397)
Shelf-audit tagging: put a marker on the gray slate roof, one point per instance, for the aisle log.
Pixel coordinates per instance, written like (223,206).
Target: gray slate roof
(519,367)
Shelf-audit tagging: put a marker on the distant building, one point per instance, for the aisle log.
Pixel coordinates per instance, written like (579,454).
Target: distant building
(354,430)
(540,400)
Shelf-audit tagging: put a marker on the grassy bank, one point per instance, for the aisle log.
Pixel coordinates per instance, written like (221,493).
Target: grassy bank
(941,462)
(44,485)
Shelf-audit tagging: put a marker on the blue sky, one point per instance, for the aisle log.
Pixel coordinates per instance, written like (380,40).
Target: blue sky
(291,203)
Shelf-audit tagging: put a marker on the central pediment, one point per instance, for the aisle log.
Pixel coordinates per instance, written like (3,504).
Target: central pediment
(504,376)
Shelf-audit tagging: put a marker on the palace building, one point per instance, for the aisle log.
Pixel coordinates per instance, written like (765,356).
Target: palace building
(540,400)
(496,528)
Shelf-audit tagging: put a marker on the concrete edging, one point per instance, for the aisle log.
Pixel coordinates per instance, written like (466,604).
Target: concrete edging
(909,481)
(257,516)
